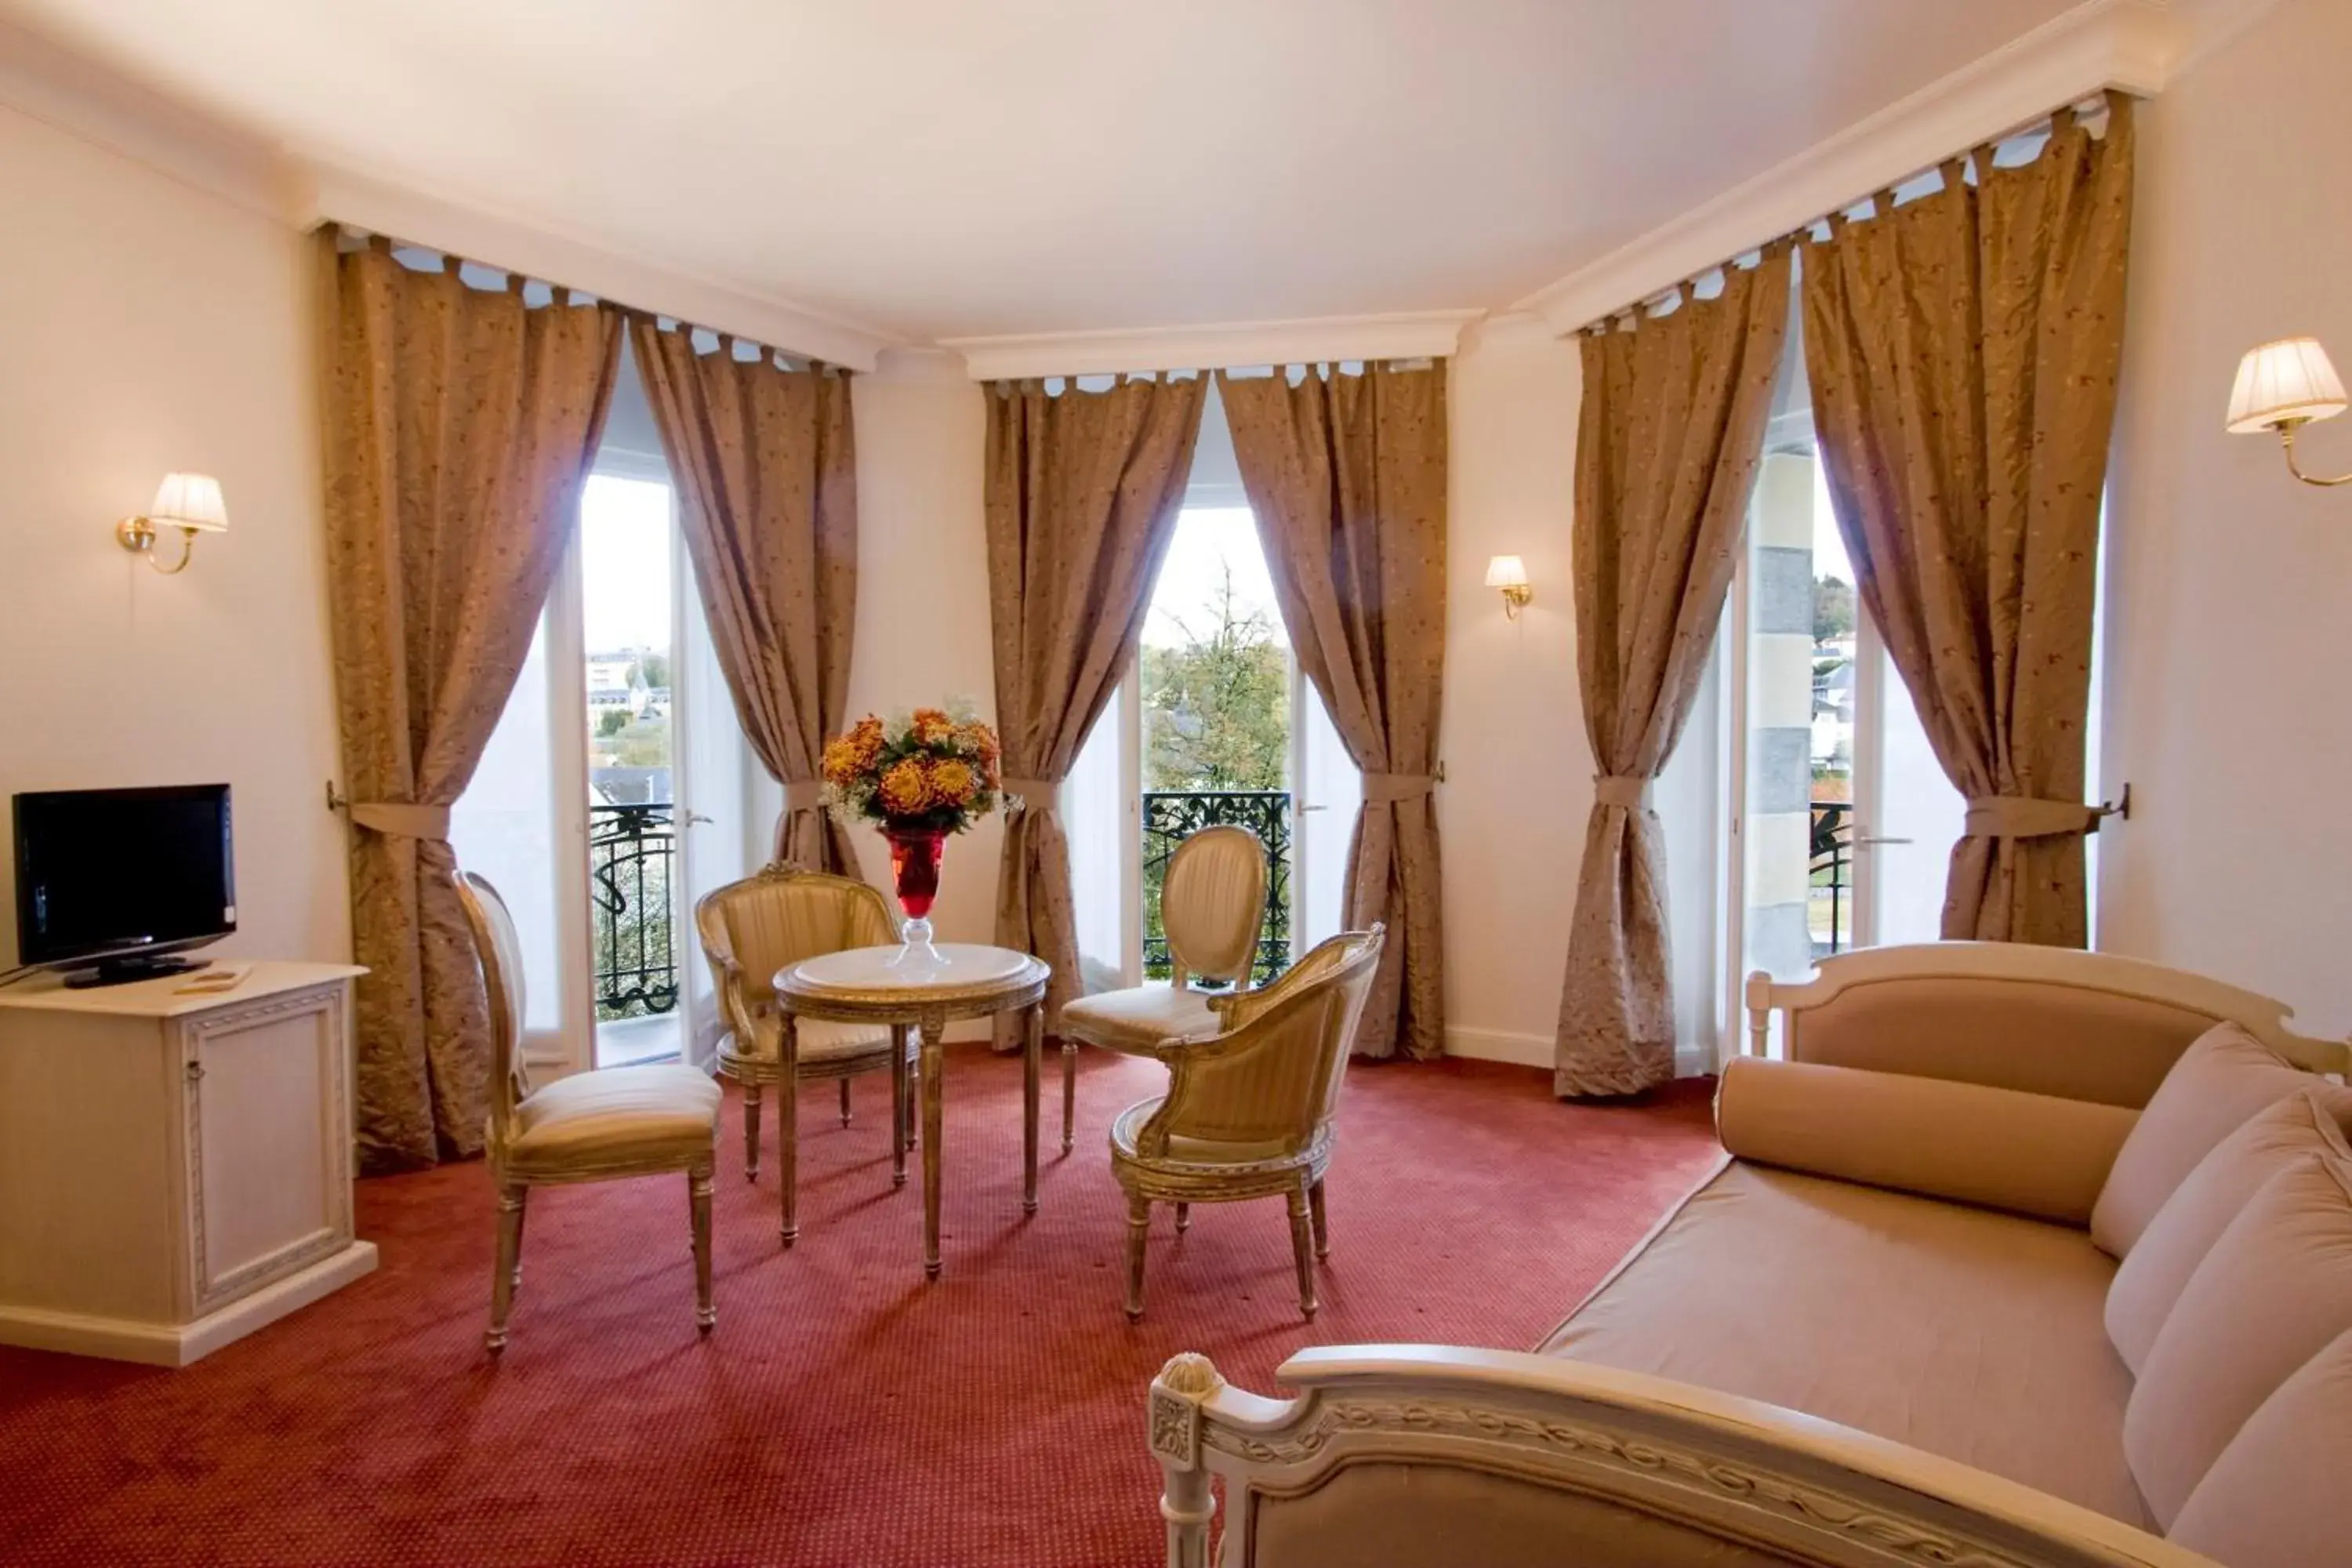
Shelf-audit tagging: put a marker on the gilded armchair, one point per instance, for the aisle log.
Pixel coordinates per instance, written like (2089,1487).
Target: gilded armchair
(1248,1112)
(1210,906)
(750,930)
(588,1127)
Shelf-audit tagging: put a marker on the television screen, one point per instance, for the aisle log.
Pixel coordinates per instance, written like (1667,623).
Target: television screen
(123,871)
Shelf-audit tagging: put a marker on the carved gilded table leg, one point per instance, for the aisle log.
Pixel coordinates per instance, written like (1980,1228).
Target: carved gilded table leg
(935,1028)
(1033,1063)
(1069,1089)
(788,1120)
(900,1124)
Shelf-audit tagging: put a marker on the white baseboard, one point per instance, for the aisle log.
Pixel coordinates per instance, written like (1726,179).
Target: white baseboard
(177,1345)
(1500,1045)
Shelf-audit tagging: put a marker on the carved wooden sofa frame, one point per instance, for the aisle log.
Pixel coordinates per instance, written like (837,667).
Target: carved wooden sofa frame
(1609,1446)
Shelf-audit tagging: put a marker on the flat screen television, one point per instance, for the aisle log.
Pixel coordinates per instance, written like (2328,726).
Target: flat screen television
(115,882)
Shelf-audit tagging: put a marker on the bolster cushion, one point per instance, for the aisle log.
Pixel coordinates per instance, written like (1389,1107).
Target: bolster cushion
(1999,1148)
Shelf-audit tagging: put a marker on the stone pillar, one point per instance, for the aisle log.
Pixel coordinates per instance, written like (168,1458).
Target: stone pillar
(1780,715)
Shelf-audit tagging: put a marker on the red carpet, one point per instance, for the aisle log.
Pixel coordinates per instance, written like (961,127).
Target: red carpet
(843,1412)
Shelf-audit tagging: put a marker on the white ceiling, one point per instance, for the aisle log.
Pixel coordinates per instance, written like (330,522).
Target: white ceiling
(942,168)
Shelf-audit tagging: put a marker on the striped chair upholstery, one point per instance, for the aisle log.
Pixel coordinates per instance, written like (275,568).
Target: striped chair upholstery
(1249,1112)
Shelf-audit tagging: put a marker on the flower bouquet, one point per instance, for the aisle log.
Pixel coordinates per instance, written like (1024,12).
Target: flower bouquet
(921,776)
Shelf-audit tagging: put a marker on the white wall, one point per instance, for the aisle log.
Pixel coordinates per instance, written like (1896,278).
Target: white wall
(922,589)
(145,326)
(1518,787)
(2229,624)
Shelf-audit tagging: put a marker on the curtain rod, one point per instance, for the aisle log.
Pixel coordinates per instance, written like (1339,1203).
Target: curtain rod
(2097,103)
(516,278)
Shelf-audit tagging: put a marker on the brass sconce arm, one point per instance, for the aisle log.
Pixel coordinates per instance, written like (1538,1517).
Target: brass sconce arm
(137,534)
(2286,429)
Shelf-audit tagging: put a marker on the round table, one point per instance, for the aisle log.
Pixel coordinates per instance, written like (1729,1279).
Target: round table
(929,987)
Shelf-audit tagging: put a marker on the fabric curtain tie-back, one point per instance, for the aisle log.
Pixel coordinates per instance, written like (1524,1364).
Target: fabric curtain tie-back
(396,819)
(803,794)
(1382,789)
(1034,792)
(1627,791)
(2021,816)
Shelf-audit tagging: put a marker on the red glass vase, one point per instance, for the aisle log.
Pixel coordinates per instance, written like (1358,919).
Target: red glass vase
(915,855)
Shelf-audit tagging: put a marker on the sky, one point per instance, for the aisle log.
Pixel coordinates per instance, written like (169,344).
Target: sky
(1209,540)
(624,563)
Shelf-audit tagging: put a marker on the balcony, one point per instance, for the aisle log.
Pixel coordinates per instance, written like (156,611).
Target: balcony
(632,851)
(1829,898)
(1170,816)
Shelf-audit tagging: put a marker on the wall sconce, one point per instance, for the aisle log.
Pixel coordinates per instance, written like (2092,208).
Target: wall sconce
(189,502)
(1510,575)
(2283,386)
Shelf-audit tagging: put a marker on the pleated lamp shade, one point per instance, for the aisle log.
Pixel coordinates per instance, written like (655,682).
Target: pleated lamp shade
(190,500)
(2289,379)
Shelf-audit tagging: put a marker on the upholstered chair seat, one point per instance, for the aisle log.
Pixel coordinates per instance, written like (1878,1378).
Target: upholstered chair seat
(1138,1021)
(819,1040)
(1210,906)
(1248,1112)
(588,1127)
(752,930)
(647,1113)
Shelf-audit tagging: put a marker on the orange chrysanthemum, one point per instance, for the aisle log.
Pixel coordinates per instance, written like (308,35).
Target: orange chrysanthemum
(932,724)
(953,782)
(905,789)
(840,760)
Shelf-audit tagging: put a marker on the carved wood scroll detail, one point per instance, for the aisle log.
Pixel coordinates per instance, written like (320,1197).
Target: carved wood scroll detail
(1902,1538)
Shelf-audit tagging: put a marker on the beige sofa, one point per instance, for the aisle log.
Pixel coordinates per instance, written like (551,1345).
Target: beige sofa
(1877,1334)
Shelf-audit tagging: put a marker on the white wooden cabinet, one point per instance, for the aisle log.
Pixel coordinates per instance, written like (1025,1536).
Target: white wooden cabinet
(176,1168)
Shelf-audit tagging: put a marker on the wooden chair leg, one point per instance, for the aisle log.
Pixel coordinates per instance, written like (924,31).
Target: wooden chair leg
(902,1043)
(1069,1092)
(522,1213)
(788,1152)
(899,1126)
(1302,1245)
(844,1103)
(698,1187)
(752,1132)
(1322,1225)
(1183,1218)
(1138,1232)
(502,1272)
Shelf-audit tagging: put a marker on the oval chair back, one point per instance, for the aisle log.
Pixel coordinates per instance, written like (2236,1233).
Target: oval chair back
(1212,904)
(778,916)
(500,952)
(1273,1079)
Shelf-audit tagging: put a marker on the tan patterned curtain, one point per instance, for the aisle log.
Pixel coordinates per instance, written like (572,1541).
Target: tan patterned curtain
(767,473)
(1347,476)
(1963,351)
(1082,491)
(1667,443)
(459,424)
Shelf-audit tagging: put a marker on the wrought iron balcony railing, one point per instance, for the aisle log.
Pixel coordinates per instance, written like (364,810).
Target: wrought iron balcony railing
(631,850)
(1832,873)
(1170,816)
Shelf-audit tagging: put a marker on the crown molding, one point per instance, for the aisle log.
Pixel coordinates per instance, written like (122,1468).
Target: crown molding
(2131,45)
(344,196)
(1418,334)
(65,90)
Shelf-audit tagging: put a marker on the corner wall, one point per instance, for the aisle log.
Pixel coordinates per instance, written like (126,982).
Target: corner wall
(147,326)
(2229,629)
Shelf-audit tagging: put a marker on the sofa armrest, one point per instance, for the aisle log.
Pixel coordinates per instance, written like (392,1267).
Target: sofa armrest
(2002,1148)
(1432,1454)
